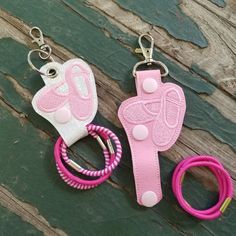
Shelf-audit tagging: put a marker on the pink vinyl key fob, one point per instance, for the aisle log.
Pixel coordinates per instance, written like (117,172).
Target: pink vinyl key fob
(69,102)
(152,121)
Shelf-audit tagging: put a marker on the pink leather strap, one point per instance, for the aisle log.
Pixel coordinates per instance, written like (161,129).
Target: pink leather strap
(225,186)
(152,120)
(146,172)
(144,153)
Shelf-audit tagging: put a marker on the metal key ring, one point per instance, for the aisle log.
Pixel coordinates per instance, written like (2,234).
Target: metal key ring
(150,63)
(47,51)
(40,51)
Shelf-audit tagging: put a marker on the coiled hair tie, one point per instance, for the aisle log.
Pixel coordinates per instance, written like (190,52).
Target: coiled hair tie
(112,159)
(225,186)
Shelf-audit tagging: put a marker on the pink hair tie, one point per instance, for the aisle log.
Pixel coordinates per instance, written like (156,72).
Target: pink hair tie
(112,159)
(225,186)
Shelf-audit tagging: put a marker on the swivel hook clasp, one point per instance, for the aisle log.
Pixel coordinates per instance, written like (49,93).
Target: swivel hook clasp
(147,53)
(37,36)
(44,51)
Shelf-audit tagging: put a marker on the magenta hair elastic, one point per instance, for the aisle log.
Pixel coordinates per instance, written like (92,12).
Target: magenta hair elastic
(225,186)
(111,159)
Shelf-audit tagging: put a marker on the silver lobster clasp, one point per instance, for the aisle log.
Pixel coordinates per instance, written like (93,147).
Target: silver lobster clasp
(147,53)
(37,36)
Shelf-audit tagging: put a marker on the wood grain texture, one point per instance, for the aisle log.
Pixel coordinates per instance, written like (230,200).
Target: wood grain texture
(220,47)
(30,223)
(219,3)
(168,15)
(200,58)
(11,223)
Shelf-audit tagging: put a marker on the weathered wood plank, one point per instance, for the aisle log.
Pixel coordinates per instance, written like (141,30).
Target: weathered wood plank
(86,153)
(226,14)
(110,51)
(168,15)
(220,3)
(59,204)
(220,51)
(177,74)
(27,213)
(12,224)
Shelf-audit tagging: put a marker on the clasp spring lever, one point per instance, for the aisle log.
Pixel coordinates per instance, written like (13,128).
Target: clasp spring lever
(147,52)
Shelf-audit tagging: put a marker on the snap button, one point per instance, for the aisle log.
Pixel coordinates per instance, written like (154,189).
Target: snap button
(62,116)
(140,132)
(149,199)
(150,85)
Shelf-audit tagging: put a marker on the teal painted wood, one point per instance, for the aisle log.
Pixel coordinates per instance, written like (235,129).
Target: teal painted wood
(168,15)
(196,105)
(202,115)
(219,3)
(195,68)
(11,224)
(76,212)
(90,212)
(101,50)
(46,191)
(188,79)
(106,207)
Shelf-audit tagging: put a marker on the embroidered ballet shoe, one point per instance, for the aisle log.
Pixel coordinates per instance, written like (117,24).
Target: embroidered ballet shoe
(68,101)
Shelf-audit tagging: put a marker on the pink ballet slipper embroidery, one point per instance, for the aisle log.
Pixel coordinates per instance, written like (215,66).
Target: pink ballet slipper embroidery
(153,121)
(68,101)
(67,91)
